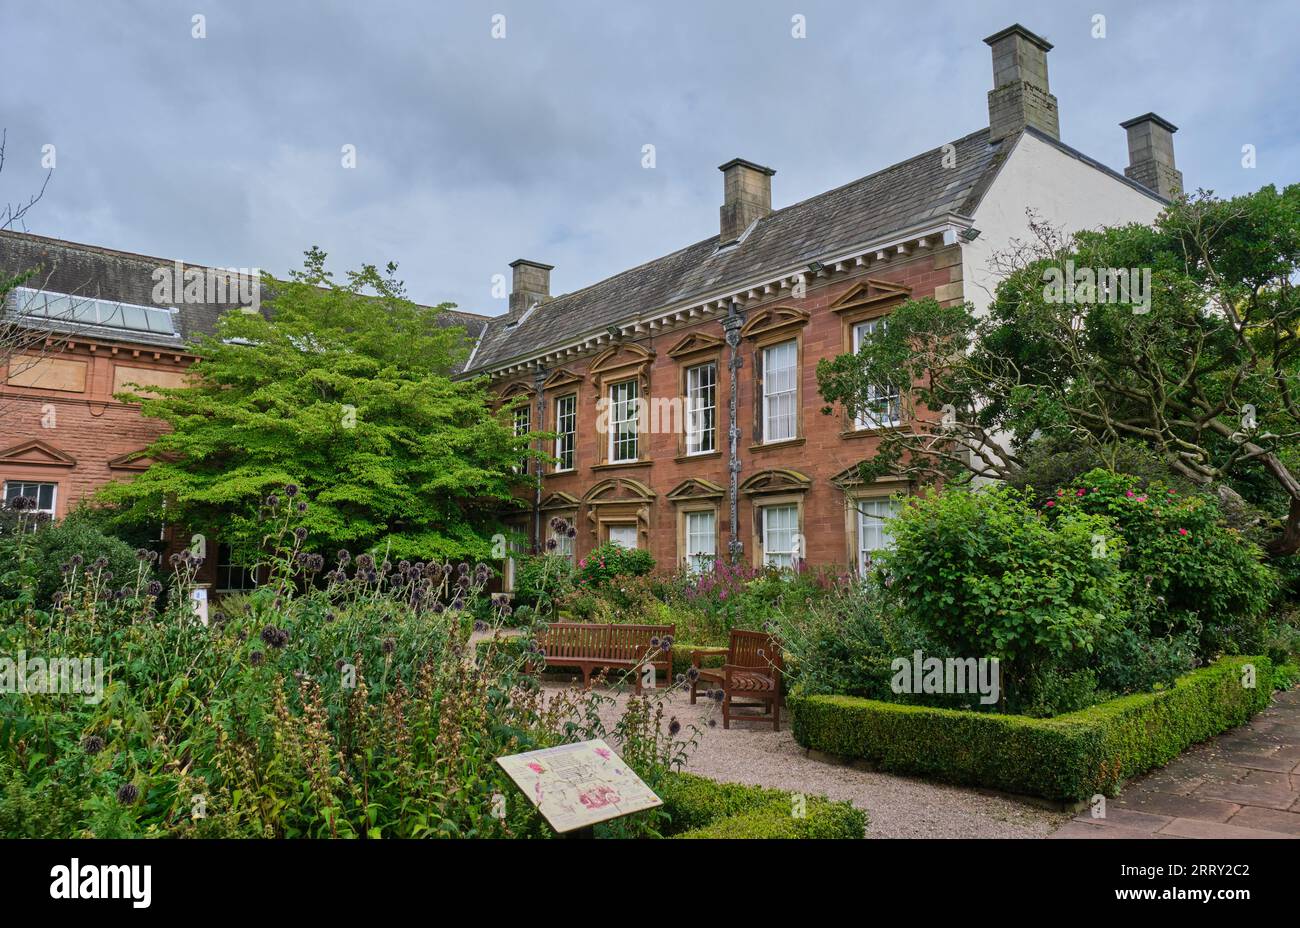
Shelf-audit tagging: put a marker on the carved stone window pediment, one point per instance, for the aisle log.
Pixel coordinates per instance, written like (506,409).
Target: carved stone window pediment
(869,293)
(776,480)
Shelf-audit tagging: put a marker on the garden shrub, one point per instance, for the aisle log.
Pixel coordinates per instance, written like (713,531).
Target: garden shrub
(1206,577)
(844,643)
(1068,758)
(541,582)
(702,808)
(69,544)
(609,561)
(987,576)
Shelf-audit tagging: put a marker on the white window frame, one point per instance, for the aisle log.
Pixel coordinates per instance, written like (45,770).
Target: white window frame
(702,408)
(54,494)
(523,424)
(699,560)
(564,545)
(869,530)
(887,396)
(566,438)
(772,398)
(515,546)
(624,420)
(779,557)
(623,527)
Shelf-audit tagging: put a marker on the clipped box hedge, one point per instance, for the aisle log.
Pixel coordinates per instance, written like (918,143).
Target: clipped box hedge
(1068,758)
(702,808)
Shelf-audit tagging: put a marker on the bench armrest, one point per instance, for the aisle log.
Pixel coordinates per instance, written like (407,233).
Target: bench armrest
(697,653)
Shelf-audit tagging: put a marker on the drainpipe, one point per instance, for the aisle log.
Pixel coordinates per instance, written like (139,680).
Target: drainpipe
(538,380)
(731,324)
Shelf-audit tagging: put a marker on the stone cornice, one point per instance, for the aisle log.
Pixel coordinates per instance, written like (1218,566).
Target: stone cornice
(816,272)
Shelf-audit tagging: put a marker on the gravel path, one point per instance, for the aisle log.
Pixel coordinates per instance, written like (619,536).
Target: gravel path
(899,807)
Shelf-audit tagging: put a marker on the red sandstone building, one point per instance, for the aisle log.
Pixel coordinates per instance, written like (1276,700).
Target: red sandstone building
(683,391)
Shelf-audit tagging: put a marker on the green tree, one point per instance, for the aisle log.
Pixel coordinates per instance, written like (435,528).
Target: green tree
(1191,350)
(344,391)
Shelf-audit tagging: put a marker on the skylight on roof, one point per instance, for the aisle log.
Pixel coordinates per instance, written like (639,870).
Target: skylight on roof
(85,311)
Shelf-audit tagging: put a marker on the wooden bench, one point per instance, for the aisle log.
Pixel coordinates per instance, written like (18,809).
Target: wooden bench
(592,646)
(752,672)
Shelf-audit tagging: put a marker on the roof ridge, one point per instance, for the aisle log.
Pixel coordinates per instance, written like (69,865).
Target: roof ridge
(884,170)
(776,212)
(143,258)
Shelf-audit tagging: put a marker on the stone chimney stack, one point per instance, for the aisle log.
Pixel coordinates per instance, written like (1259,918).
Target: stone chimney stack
(531,284)
(1020,96)
(1151,155)
(746,196)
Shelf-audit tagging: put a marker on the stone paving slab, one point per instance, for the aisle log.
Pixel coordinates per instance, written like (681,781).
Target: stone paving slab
(1243,784)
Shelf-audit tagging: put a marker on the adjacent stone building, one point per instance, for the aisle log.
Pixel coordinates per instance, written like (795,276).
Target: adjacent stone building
(93,320)
(683,391)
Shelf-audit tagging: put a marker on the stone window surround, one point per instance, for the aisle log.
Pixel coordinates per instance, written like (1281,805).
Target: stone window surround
(758,504)
(853,309)
(564,393)
(691,351)
(854,492)
(772,326)
(606,370)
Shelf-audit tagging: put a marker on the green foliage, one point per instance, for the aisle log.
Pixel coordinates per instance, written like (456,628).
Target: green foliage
(700,808)
(1069,758)
(1197,366)
(917,348)
(844,643)
(42,559)
(343,390)
(988,577)
(331,705)
(1286,676)
(1208,580)
(541,581)
(610,562)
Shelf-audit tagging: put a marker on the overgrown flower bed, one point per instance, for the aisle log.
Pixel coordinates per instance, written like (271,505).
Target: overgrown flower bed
(329,703)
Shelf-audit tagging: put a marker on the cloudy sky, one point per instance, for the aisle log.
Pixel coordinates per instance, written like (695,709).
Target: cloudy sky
(473,150)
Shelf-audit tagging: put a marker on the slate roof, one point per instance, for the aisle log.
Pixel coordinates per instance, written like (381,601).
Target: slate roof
(898,198)
(121,276)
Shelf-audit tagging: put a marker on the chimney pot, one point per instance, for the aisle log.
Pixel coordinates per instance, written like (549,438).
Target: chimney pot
(746,196)
(1021,95)
(1151,154)
(531,283)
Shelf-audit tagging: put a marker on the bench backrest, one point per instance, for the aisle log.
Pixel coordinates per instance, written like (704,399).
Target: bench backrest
(753,649)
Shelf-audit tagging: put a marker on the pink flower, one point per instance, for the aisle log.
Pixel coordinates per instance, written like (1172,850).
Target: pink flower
(1051,503)
(1128,493)
(1142,499)
(1183,531)
(1081,491)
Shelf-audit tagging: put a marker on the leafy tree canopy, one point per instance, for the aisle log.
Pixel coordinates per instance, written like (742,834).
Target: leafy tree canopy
(343,390)
(1182,337)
